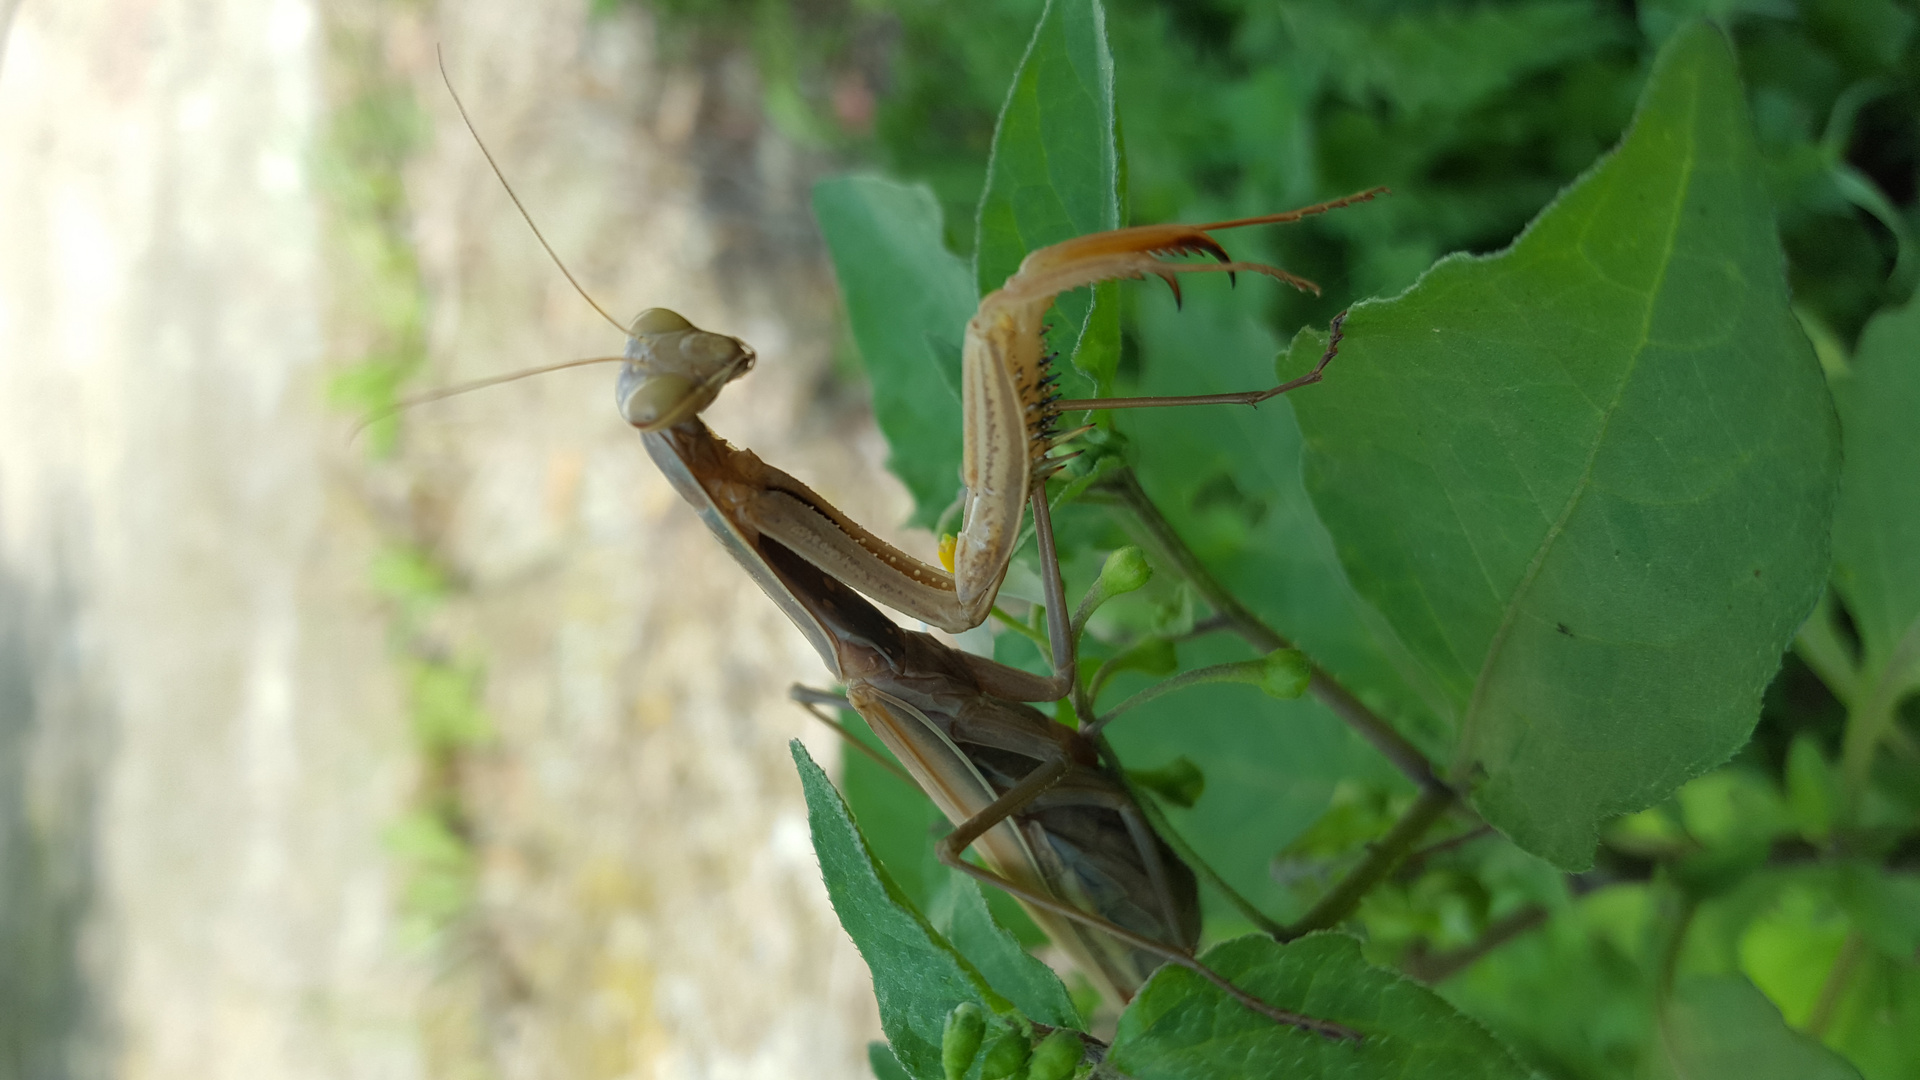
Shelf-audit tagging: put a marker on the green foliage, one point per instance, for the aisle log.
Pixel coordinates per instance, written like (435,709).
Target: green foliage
(1543,477)
(1029,984)
(1056,1057)
(372,265)
(945,1019)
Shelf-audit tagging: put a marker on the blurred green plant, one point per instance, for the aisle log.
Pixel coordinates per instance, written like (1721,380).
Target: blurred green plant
(1548,525)
(377,320)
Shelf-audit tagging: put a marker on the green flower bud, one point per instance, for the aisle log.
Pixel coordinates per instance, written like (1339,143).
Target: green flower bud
(960,1040)
(1055,1057)
(1005,1055)
(1284,673)
(1125,571)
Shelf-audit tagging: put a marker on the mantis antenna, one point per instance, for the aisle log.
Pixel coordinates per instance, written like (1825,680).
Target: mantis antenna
(457,389)
(441,59)
(480,384)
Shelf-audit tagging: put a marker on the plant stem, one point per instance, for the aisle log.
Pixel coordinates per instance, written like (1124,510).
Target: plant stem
(1241,671)
(1166,544)
(1417,862)
(1871,714)
(1676,940)
(1835,988)
(1382,856)
(1433,968)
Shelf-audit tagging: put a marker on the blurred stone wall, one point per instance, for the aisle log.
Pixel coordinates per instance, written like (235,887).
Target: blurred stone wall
(270,806)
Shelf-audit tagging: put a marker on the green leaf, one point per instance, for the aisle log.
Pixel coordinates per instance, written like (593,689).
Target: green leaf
(917,976)
(1588,480)
(1030,984)
(1055,173)
(1724,1029)
(908,301)
(884,1065)
(1181,1027)
(1876,526)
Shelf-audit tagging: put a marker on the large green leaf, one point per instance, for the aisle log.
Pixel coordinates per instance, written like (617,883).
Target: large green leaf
(1724,1029)
(917,976)
(1183,1028)
(1055,172)
(1876,527)
(908,300)
(1588,480)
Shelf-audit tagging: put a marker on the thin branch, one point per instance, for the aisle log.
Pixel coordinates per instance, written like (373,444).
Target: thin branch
(1434,968)
(1382,856)
(1676,942)
(1417,862)
(1834,990)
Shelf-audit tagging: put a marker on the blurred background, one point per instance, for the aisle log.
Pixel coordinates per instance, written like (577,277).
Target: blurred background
(457,748)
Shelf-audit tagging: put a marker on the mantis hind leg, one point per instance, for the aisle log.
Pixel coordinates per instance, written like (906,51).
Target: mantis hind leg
(1022,795)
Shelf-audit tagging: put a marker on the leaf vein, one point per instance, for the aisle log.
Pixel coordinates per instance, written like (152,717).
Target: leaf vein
(1483,681)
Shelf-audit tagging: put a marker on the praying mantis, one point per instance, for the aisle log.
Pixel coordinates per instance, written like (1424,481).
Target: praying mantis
(1043,802)
(1058,827)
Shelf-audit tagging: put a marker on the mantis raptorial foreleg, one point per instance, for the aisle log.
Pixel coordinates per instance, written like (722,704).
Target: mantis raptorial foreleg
(1008,406)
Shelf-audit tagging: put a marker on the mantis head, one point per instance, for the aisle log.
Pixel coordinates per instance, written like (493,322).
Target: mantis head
(675,369)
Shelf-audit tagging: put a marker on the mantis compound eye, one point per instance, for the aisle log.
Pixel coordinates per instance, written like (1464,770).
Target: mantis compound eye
(652,402)
(658,320)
